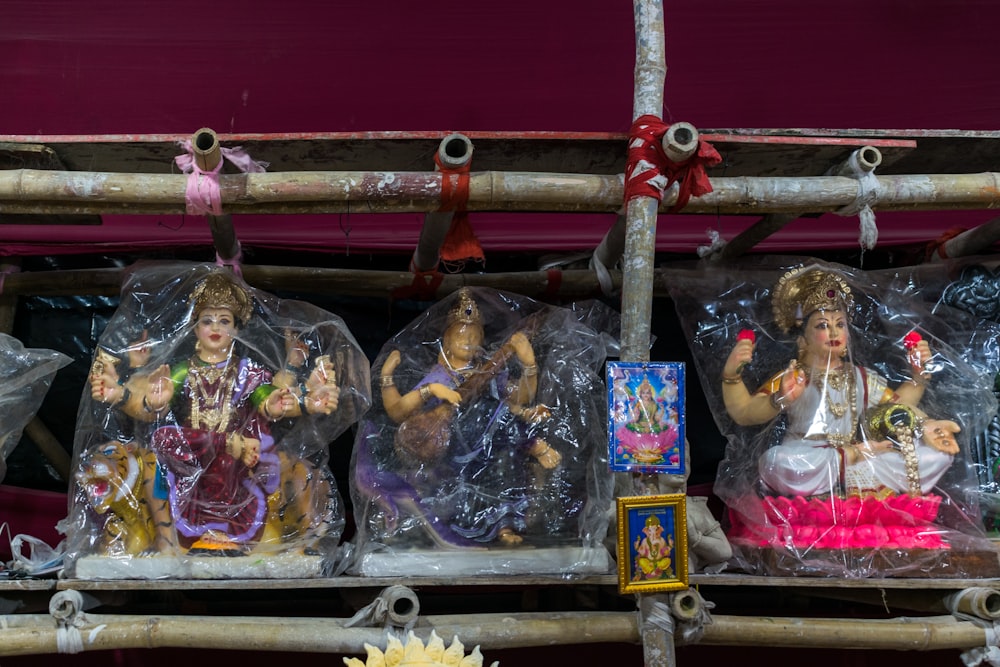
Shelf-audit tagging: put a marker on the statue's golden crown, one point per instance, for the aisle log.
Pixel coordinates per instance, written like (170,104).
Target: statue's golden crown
(803,291)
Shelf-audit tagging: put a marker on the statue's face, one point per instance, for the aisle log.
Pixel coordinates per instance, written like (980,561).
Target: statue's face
(214,330)
(825,335)
(462,342)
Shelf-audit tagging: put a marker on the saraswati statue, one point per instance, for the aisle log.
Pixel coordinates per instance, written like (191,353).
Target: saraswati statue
(479,444)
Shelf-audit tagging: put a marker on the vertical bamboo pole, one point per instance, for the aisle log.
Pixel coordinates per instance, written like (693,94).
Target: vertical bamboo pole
(453,152)
(637,271)
(207,153)
(640,212)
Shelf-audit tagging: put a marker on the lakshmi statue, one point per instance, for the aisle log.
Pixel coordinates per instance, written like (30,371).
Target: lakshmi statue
(844,407)
(826,395)
(219,425)
(480,441)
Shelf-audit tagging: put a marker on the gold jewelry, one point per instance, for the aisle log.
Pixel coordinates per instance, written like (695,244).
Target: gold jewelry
(386,381)
(218,402)
(835,379)
(777,402)
(425,393)
(465,310)
(732,379)
(530,370)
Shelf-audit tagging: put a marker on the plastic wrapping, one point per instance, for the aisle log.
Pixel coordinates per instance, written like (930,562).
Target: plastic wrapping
(25,377)
(487,452)
(201,448)
(849,406)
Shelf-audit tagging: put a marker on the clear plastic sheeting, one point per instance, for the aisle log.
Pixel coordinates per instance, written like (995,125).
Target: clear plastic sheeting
(849,405)
(487,451)
(201,448)
(25,377)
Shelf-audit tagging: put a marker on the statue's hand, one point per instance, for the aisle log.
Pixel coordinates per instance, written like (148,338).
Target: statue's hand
(535,414)
(793,383)
(918,357)
(739,356)
(296,350)
(322,401)
(940,434)
(443,392)
(521,346)
(546,454)
(391,362)
(160,389)
(105,383)
(322,392)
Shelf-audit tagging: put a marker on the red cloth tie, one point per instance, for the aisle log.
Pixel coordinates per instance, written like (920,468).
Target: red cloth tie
(649,172)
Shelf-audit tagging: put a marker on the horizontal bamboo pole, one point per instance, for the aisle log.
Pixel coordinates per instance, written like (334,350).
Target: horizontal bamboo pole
(79,193)
(909,634)
(28,634)
(576,283)
(25,634)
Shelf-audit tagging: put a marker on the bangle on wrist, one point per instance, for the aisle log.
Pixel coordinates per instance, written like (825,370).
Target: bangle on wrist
(732,379)
(425,393)
(777,402)
(530,370)
(386,381)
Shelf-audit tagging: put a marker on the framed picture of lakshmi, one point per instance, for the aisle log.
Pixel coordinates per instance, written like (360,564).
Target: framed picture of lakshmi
(646,417)
(652,543)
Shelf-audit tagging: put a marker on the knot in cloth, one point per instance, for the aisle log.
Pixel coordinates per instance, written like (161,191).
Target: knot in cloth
(649,172)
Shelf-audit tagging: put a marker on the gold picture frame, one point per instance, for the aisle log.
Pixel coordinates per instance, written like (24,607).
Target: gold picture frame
(652,543)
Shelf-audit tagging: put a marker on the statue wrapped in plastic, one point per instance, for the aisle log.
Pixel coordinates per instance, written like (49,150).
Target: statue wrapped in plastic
(842,449)
(205,432)
(481,455)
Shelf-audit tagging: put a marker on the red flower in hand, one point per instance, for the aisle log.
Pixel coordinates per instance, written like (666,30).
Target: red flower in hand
(746,334)
(911,339)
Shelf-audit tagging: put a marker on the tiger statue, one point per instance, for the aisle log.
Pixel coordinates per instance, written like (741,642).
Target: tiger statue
(299,508)
(118,481)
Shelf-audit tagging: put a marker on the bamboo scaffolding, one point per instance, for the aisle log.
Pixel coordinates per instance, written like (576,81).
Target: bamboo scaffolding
(454,151)
(970,242)
(866,158)
(32,634)
(79,193)
(637,282)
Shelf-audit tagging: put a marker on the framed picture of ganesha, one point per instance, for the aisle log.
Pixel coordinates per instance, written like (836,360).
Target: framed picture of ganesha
(646,417)
(652,543)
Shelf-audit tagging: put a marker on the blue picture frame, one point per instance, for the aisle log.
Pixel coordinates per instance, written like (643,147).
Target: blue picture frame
(646,417)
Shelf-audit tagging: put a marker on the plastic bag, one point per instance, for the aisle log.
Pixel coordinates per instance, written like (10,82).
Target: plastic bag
(201,443)
(841,458)
(486,451)
(25,377)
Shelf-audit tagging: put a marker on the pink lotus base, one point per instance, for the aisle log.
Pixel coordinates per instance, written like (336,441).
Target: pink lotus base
(901,522)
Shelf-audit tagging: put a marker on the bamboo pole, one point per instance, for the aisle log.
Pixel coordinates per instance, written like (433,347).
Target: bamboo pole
(573,284)
(454,151)
(25,634)
(866,158)
(32,634)
(971,242)
(656,628)
(80,193)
